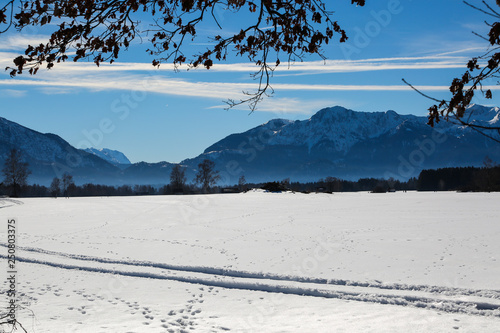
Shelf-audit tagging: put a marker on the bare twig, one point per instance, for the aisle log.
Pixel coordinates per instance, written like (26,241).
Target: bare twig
(421,93)
(3,9)
(274,31)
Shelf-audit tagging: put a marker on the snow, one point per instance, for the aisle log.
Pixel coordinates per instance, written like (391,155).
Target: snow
(474,114)
(49,146)
(258,262)
(115,157)
(343,128)
(340,126)
(45,148)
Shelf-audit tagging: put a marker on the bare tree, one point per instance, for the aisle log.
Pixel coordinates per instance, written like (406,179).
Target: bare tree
(333,184)
(67,183)
(177,178)
(15,172)
(242,182)
(278,30)
(55,187)
(207,176)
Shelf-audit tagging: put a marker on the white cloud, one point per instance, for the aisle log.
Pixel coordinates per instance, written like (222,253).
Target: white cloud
(56,90)
(213,90)
(346,66)
(441,44)
(477,50)
(310,67)
(152,84)
(20,42)
(69,77)
(353,87)
(288,106)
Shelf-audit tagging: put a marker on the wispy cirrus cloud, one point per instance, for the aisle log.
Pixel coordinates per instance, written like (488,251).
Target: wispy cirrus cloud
(442,61)
(289,106)
(165,86)
(152,84)
(137,76)
(57,90)
(143,76)
(442,44)
(170,86)
(20,42)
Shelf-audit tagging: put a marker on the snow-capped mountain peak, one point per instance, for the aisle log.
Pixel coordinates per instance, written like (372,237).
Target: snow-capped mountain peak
(277,124)
(484,115)
(114,157)
(340,127)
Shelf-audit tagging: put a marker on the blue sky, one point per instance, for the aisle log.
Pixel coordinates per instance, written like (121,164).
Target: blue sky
(161,115)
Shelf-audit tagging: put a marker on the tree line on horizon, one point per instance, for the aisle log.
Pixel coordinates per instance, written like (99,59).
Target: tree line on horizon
(268,39)
(464,179)
(16,172)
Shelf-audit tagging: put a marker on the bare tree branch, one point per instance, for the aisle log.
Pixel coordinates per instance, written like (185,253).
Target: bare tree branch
(464,88)
(294,28)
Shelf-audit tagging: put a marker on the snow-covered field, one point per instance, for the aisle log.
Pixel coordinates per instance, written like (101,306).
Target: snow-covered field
(258,262)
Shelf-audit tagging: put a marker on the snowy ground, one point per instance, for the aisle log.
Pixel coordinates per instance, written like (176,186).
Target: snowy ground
(258,262)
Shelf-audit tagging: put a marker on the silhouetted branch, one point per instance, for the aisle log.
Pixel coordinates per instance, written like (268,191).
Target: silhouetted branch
(293,28)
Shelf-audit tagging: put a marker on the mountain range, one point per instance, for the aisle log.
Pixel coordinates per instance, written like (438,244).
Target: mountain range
(334,142)
(114,157)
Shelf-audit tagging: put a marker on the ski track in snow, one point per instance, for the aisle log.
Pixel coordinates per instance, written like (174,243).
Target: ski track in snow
(453,300)
(7,202)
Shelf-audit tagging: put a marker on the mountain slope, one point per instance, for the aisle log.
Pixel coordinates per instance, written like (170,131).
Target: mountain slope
(114,157)
(49,156)
(148,173)
(334,142)
(348,144)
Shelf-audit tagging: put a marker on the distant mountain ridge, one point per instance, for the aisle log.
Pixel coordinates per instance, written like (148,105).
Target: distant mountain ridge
(50,156)
(350,144)
(334,142)
(343,128)
(114,157)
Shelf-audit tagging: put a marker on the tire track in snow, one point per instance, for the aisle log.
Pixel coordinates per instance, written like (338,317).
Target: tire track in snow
(214,271)
(292,287)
